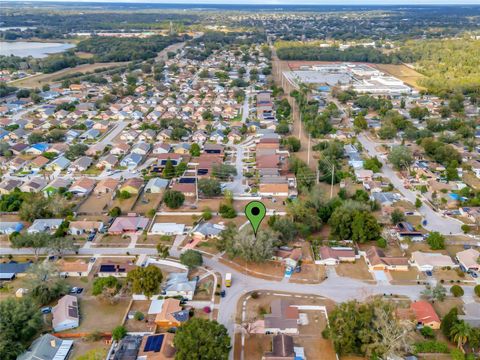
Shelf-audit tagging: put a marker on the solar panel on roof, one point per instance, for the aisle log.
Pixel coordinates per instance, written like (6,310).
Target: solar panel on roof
(186,180)
(154,343)
(107,268)
(72,312)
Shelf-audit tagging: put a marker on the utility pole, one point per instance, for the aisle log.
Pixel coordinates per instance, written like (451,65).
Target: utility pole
(331,187)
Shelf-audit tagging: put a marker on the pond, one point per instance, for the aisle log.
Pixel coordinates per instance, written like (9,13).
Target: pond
(35,49)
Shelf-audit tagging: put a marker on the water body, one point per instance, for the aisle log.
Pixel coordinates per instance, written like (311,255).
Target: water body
(35,49)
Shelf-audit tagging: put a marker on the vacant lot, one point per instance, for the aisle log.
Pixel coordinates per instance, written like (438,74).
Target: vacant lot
(357,270)
(145,325)
(37,81)
(409,277)
(110,315)
(95,204)
(402,72)
(147,202)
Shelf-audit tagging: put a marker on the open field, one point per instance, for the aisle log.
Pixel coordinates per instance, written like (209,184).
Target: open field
(36,81)
(402,72)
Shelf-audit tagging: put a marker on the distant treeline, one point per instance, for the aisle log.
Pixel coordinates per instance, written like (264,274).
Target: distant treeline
(47,65)
(354,53)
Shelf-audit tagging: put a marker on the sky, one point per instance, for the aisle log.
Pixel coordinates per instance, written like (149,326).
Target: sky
(291,2)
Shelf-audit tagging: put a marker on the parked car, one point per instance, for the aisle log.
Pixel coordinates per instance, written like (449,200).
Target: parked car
(76,290)
(46,310)
(223,293)
(428,273)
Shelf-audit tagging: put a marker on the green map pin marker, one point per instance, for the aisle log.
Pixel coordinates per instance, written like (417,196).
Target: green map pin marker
(255,212)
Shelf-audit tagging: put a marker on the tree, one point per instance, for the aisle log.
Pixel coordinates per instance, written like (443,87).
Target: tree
(397,216)
(400,157)
(100,284)
(427,332)
(209,187)
(60,245)
(438,293)
(20,321)
(253,248)
(195,149)
(75,151)
(145,280)
(119,332)
(163,251)
(173,199)
(191,258)
(448,321)
(418,112)
(201,339)
(34,207)
(418,203)
(45,284)
(207,214)
(457,290)
(360,123)
(461,332)
(36,241)
(451,171)
(436,241)
(284,227)
(292,144)
(476,289)
(373,164)
(35,137)
(115,211)
(353,221)
(168,170)
(223,171)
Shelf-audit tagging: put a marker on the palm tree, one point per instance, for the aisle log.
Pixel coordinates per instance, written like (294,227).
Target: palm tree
(461,332)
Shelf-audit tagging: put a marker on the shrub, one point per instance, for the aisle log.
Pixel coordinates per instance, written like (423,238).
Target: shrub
(430,346)
(476,289)
(173,199)
(119,333)
(456,290)
(427,332)
(382,243)
(255,295)
(139,316)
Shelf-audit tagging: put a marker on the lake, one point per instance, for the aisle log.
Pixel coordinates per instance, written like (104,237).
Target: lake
(35,49)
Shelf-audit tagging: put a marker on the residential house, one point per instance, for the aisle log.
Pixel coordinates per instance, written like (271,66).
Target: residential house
(430,261)
(289,256)
(65,314)
(8,185)
(282,348)
(169,229)
(107,162)
(207,230)
(270,189)
(471,213)
(283,318)
(38,163)
(141,148)
(120,270)
(161,148)
(156,185)
(132,185)
(82,163)
(37,149)
(406,230)
(178,284)
(106,186)
(44,225)
(172,314)
(377,260)
(60,163)
(471,315)
(363,175)
(423,313)
(90,134)
(82,187)
(469,259)
(77,268)
(132,160)
(157,347)
(81,227)
(120,148)
(10,227)
(47,347)
(188,189)
(11,270)
(128,224)
(335,255)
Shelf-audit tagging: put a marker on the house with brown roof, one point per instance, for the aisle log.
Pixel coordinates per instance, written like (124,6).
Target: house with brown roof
(377,260)
(38,163)
(283,318)
(82,186)
(105,186)
(128,224)
(270,189)
(132,185)
(282,348)
(172,314)
(8,185)
(335,255)
(77,268)
(469,259)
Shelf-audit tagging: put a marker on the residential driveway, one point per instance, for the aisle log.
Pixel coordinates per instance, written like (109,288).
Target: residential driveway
(435,220)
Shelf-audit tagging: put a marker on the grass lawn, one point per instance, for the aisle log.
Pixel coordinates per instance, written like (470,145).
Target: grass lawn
(357,270)
(98,315)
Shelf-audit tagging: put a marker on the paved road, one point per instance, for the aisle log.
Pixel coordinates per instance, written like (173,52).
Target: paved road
(435,221)
(335,287)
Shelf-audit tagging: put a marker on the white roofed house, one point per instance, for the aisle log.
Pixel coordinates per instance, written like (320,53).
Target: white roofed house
(44,225)
(167,229)
(469,259)
(65,314)
(178,284)
(156,185)
(84,226)
(141,148)
(430,261)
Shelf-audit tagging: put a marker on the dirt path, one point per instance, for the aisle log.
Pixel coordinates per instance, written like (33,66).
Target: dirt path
(305,153)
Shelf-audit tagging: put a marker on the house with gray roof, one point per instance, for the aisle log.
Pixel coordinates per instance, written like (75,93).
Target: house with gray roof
(10,270)
(65,314)
(132,160)
(178,284)
(44,225)
(47,347)
(156,185)
(207,230)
